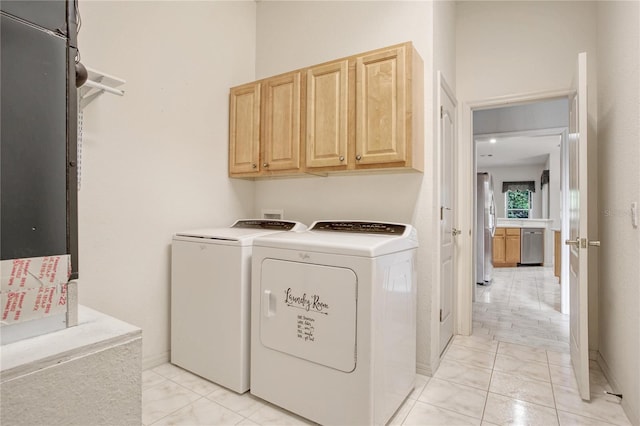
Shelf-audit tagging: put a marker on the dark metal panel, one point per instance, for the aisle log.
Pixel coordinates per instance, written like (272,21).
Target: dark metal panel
(50,14)
(72,143)
(33,142)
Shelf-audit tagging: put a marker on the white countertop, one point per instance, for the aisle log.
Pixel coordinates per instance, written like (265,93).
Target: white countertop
(502,222)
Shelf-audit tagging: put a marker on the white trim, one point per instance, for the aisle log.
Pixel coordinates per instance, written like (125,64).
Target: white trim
(155,360)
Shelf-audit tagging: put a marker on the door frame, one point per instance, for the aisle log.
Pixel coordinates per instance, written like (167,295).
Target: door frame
(466,199)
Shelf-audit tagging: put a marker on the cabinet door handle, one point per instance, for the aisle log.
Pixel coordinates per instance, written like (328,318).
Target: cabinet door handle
(265,165)
(254,166)
(341,158)
(358,157)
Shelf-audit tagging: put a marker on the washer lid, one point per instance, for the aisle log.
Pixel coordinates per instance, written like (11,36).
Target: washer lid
(242,232)
(355,238)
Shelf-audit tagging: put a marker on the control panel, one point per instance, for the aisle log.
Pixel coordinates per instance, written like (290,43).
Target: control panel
(264,224)
(360,227)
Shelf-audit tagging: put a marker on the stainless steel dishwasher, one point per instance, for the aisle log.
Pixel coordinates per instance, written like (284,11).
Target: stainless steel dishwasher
(531,246)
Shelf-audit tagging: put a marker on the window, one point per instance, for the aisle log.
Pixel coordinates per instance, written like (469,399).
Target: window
(518,203)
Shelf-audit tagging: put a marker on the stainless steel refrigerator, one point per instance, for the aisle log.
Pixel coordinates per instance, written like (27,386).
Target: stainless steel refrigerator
(485,228)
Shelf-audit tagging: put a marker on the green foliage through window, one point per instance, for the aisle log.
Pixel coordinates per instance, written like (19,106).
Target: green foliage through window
(518,204)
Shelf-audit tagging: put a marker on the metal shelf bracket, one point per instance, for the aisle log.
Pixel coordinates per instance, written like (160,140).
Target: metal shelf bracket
(97,84)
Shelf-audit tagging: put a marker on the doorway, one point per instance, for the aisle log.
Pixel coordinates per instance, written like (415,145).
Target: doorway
(522,140)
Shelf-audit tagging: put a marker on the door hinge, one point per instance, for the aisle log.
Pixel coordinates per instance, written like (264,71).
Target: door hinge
(441,111)
(440,315)
(441,212)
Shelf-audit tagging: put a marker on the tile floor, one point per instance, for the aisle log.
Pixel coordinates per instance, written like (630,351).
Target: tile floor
(489,378)
(522,305)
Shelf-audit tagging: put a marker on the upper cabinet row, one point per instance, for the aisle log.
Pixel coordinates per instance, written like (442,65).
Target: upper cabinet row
(361,112)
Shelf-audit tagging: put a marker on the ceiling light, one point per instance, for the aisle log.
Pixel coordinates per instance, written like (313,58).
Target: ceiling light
(492,141)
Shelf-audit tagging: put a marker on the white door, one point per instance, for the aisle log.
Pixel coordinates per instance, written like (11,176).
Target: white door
(578,239)
(446,138)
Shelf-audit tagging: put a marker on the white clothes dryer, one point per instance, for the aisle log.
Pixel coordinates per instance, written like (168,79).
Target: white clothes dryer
(333,325)
(210,299)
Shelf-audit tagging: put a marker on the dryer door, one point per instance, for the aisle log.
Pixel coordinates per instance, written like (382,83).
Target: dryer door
(309,311)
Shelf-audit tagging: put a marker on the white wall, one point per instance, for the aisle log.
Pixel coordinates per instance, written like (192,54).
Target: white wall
(516,49)
(514,174)
(296,34)
(155,161)
(619,180)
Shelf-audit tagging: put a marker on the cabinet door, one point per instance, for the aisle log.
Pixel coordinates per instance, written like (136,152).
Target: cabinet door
(244,129)
(498,249)
(326,135)
(281,130)
(512,247)
(381,103)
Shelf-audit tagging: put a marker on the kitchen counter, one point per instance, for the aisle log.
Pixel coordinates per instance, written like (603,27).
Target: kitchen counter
(547,224)
(523,223)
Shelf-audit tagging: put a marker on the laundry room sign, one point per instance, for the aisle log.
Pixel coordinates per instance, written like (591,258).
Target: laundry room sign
(311,303)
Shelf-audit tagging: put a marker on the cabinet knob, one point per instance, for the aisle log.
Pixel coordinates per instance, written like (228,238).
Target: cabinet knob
(254,166)
(341,158)
(265,165)
(358,157)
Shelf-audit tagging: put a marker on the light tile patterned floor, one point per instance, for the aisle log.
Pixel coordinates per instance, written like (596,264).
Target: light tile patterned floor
(522,305)
(489,378)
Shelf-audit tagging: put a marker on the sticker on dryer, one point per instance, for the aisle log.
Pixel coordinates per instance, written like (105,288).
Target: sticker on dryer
(306,328)
(307,303)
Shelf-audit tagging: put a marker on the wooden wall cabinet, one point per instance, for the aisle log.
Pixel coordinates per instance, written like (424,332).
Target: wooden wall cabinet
(327,115)
(389,109)
(264,126)
(281,123)
(506,247)
(357,113)
(244,129)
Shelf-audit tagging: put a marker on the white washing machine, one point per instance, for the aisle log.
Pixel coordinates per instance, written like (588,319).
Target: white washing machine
(210,299)
(333,323)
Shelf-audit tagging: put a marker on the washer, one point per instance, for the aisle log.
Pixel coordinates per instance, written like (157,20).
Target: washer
(210,299)
(333,324)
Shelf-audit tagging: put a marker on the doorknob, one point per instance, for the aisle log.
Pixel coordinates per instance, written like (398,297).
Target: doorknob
(455,232)
(594,243)
(575,243)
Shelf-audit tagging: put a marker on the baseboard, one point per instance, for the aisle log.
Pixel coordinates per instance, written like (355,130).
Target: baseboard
(155,360)
(424,369)
(593,354)
(629,409)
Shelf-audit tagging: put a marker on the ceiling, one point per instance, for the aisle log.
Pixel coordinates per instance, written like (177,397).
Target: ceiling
(515,150)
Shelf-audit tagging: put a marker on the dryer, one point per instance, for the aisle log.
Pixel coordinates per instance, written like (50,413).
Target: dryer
(333,325)
(210,299)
